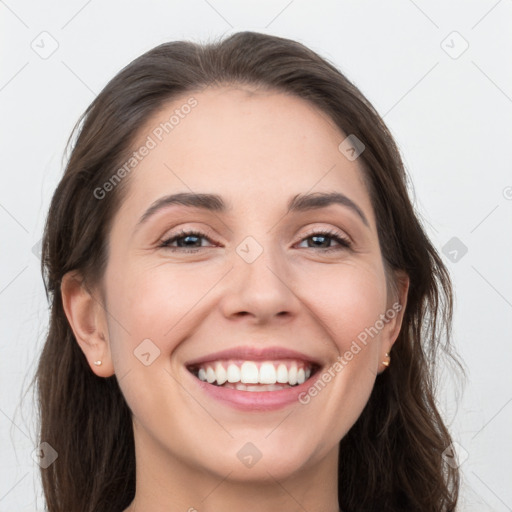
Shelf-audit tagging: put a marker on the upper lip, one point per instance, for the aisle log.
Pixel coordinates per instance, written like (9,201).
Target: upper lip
(254,354)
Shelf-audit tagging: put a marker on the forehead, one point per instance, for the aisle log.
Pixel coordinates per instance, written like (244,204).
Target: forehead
(256,148)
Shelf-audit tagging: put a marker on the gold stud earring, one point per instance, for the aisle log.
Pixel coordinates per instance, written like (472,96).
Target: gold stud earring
(97,363)
(386,363)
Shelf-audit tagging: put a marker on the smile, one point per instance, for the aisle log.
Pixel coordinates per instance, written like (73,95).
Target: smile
(254,375)
(254,378)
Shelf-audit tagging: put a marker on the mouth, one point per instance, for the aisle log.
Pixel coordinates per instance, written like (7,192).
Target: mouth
(254,375)
(255,378)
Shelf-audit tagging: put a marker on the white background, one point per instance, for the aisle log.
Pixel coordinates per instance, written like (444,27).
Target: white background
(450,111)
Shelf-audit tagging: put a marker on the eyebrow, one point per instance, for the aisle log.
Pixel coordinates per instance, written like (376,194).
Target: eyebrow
(215,203)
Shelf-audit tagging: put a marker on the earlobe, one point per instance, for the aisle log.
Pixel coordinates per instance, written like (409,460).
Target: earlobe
(87,319)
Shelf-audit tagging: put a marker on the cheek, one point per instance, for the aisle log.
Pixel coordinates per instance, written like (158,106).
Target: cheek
(156,303)
(346,299)
(151,310)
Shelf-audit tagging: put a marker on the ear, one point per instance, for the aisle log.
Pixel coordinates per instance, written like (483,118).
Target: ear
(87,317)
(394,314)
(397,304)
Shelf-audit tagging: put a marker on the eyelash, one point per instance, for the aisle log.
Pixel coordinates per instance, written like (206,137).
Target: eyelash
(344,243)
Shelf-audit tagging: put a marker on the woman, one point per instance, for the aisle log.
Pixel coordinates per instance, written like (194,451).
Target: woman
(245,309)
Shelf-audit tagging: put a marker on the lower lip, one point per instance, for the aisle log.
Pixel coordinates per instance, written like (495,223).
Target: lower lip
(256,400)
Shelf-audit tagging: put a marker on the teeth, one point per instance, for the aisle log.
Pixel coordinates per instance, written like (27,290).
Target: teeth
(282,374)
(267,376)
(221,373)
(249,373)
(256,387)
(210,375)
(233,373)
(292,375)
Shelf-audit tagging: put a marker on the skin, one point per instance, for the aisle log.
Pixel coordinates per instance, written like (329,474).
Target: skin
(256,149)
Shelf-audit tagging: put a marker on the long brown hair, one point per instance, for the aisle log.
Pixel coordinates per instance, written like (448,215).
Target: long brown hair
(392,458)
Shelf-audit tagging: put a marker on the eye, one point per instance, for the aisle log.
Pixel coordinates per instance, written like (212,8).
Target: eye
(186,241)
(321,238)
(190,241)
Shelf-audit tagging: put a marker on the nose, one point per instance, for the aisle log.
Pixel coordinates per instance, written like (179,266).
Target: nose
(259,292)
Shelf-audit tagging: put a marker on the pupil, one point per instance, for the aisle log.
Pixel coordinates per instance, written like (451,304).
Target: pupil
(184,239)
(316,237)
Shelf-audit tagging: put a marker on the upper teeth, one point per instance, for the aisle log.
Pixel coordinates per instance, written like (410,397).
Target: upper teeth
(250,372)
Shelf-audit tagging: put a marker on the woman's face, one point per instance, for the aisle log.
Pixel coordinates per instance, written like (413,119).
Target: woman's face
(262,292)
